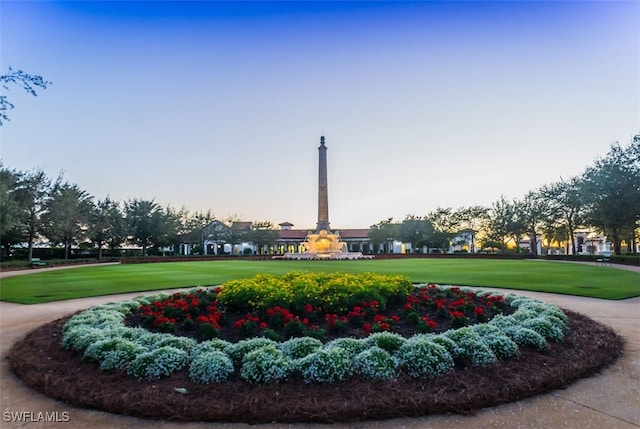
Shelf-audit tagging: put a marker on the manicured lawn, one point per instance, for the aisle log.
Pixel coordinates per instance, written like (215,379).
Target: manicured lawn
(543,276)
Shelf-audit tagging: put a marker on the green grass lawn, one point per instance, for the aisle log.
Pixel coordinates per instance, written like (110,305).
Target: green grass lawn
(543,276)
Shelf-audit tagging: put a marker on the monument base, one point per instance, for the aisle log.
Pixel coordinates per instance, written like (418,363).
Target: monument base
(324,256)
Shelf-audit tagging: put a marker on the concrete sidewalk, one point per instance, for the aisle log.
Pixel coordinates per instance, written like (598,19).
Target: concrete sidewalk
(610,400)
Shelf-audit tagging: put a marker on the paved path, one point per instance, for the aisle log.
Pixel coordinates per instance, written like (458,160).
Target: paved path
(610,400)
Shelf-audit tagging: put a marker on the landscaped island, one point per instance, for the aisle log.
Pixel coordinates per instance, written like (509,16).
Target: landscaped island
(278,341)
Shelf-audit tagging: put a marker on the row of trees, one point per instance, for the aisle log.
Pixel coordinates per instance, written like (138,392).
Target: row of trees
(34,207)
(605,197)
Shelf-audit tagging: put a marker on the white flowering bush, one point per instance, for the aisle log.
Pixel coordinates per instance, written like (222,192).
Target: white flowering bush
(545,327)
(80,337)
(101,335)
(265,365)
(422,358)
(158,363)
(215,344)
(182,343)
(351,346)
(327,365)
(241,348)
(297,348)
(389,341)
(526,337)
(375,363)
(444,341)
(469,346)
(212,366)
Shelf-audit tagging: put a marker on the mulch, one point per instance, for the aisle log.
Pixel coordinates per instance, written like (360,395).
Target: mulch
(41,363)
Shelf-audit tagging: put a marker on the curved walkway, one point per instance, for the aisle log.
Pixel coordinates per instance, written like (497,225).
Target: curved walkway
(609,400)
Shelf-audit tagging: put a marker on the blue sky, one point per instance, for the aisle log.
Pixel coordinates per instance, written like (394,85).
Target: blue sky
(221,105)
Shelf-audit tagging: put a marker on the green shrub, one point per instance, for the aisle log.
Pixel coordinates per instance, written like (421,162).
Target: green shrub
(81,337)
(470,347)
(297,348)
(241,348)
(422,358)
(158,363)
(327,365)
(375,363)
(265,365)
(351,346)
(212,366)
(211,346)
(389,341)
(502,346)
(526,337)
(544,327)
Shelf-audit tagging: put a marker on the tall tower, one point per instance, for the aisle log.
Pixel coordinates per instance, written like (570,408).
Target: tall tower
(323,196)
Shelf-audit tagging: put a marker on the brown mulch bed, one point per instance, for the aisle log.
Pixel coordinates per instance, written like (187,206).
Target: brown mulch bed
(41,363)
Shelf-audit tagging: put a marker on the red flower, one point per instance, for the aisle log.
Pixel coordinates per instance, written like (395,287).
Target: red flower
(366,327)
(308,308)
(478,310)
(263,325)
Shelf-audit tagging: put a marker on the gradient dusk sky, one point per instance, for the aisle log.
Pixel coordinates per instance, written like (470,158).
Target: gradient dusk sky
(221,105)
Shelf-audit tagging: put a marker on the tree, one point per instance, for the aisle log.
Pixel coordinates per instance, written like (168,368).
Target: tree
(611,190)
(28,82)
(500,222)
(383,232)
(473,221)
(415,230)
(262,233)
(10,210)
(445,225)
(144,222)
(66,218)
(32,194)
(106,224)
(533,212)
(566,205)
(195,225)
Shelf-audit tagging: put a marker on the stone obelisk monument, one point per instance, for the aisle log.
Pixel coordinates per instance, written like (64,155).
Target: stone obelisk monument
(323,196)
(323,244)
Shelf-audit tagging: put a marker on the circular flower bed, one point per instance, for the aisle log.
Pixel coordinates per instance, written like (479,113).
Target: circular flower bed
(351,328)
(268,348)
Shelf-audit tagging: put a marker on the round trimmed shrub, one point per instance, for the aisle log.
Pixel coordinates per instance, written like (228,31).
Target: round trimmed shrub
(526,337)
(422,358)
(350,345)
(158,363)
(241,348)
(469,346)
(327,365)
(212,366)
(113,353)
(389,341)
(544,327)
(297,348)
(502,346)
(265,365)
(210,346)
(375,363)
